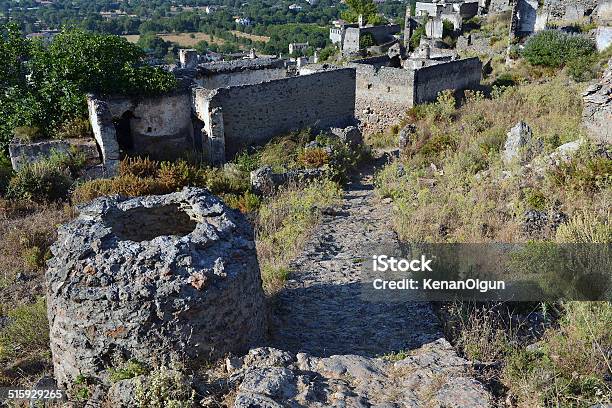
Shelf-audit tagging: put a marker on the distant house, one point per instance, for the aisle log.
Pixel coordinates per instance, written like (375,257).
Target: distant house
(295,48)
(295,7)
(245,21)
(46,35)
(211,56)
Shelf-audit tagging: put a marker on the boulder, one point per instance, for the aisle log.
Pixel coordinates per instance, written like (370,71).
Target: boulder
(153,279)
(597,112)
(520,145)
(350,135)
(265,181)
(406,135)
(274,378)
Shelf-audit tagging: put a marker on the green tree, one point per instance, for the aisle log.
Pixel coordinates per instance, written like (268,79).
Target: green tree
(153,45)
(367,8)
(61,74)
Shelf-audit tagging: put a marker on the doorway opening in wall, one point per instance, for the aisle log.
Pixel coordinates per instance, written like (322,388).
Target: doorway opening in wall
(123,127)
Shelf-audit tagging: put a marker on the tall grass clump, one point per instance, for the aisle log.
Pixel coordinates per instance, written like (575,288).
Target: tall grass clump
(284,223)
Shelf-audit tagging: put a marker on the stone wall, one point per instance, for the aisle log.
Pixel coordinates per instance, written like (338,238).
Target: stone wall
(101,120)
(527,11)
(457,75)
(383,94)
(160,126)
(23,153)
(498,6)
(558,8)
(241,72)
(253,114)
(381,34)
(597,113)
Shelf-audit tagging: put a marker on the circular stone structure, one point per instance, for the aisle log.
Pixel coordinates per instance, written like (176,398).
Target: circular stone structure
(153,279)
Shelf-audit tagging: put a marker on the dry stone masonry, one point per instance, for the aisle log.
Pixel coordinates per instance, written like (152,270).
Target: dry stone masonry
(384,93)
(152,279)
(597,113)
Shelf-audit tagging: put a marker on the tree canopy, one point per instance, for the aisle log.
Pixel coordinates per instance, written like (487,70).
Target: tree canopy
(367,8)
(45,85)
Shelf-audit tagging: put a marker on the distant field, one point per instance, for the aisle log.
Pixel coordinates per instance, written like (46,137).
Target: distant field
(182,39)
(253,37)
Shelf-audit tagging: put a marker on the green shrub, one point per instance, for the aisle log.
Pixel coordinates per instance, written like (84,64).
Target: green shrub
(586,173)
(585,227)
(40,182)
(27,331)
(536,200)
(6,172)
(73,161)
(568,368)
(130,369)
(326,53)
(74,129)
(554,48)
(366,40)
(28,133)
(164,388)
(582,69)
(247,162)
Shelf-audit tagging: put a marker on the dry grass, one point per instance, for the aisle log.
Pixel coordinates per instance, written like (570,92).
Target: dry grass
(451,186)
(252,37)
(27,231)
(182,39)
(284,225)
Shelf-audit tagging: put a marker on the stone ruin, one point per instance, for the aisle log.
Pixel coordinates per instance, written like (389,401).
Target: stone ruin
(152,279)
(220,109)
(597,113)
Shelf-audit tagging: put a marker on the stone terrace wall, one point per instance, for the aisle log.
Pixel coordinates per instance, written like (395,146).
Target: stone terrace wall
(383,95)
(456,75)
(253,114)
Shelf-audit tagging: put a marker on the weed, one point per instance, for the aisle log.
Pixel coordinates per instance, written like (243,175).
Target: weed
(164,388)
(130,369)
(284,223)
(28,134)
(41,182)
(75,128)
(27,331)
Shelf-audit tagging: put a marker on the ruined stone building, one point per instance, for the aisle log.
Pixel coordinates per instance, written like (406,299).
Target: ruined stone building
(454,11)
(348,36)
(529,16)
(221,108)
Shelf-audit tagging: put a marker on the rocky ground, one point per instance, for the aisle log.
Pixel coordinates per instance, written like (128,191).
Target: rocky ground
(332,336)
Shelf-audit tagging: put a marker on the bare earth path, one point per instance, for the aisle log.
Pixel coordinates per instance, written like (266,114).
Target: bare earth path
(321,310)
(325,338)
